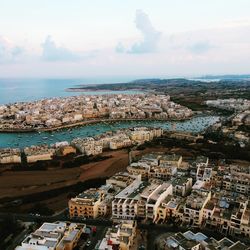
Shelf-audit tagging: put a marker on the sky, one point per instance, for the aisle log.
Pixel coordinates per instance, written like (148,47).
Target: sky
(140,38)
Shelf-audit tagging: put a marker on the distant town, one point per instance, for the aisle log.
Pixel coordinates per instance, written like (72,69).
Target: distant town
(69,111)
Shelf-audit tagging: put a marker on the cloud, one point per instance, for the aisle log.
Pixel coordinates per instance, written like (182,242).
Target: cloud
(16,51)
(200,47)
(150,36)
(120,48)
(51,52)
(8,52)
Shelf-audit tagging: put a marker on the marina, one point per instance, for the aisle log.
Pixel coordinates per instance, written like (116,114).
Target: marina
(20,140)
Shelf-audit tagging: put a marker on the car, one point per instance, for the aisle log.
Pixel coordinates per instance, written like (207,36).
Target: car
(88,243)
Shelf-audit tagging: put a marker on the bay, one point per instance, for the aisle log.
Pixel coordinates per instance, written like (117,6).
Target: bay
(20,140)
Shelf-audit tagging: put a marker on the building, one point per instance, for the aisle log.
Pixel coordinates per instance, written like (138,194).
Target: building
(39,153)
(171,160)
(237,182)
(139,168)
(194,206)
(91,203)
(53,236)
(10,155)
(197,241)
(156,166)
(151,198)
(228,215)
(140,199)
(124,205)
(88,146)
(120,180)
(119,237)
(182,185)
(67,150)
(172,208)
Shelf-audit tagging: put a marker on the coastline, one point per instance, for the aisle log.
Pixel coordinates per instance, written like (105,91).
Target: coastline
(101,90)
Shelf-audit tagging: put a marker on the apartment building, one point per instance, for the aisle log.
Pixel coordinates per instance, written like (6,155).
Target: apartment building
(228,215)
(182,185)
(120,180)
(156,166)
(88,146)
(197,241)
(194,206)
(152,158)
(237,182)
(53,236)
(125,203)
(139,168)
(66,150)
(152,196)
(144,134)
(121,237)
(171,207)
(171,160)
(91,203)
(163,171)
(140,199)
(39,153)
(119,141)
(10,155)
(230,104)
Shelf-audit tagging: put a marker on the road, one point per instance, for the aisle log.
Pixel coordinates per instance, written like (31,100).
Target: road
(57,217)
(100,233)
(17,240)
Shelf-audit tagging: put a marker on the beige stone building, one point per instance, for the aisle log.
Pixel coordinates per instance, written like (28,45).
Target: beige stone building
(89,204)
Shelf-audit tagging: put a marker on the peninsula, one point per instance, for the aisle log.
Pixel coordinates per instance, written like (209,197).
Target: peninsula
(57,113)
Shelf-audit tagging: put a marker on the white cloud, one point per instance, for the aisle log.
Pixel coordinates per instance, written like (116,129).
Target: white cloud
(150,36)
(9,53)
(51,52)
(200,47)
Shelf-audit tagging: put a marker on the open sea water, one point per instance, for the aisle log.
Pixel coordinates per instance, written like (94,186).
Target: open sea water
(23,90)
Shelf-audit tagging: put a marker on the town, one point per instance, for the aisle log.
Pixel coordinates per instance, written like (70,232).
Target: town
(86,146)
(234,128)
(159,188)
(56,113)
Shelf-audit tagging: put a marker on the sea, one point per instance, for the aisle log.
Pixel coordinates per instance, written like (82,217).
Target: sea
(23,90)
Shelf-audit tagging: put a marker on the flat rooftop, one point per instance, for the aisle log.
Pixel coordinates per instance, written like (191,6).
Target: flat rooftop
(179,181)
